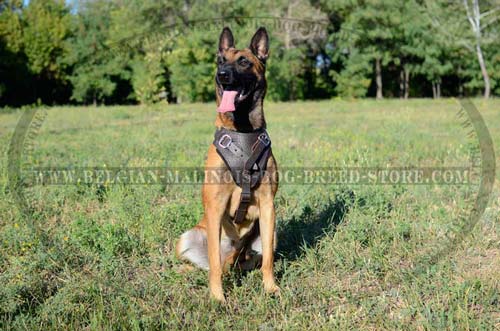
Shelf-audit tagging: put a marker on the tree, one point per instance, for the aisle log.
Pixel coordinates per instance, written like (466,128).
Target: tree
(47,25)
(353,79)
(414,34)
(422,52)
(94,68)
(474,16)
(294,48)
(370,31)
(144,44)
(450,21)
(11,25)
(148,75)
(12,60)
(192,66)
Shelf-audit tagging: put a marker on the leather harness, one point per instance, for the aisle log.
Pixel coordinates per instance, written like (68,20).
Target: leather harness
(246,155)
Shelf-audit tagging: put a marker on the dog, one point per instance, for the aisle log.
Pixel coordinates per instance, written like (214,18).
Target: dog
(231,232)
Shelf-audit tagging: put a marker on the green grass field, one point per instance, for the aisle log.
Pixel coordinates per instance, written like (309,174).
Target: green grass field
(349,256)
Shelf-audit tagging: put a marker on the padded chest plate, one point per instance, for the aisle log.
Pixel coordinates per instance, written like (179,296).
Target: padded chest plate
(237,149)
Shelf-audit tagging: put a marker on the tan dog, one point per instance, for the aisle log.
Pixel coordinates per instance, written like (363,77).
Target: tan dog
(222,239)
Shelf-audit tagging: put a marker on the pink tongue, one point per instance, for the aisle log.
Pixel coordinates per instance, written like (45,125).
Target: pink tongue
(227,103)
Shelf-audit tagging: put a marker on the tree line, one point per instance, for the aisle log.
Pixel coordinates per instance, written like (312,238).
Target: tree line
(146,51)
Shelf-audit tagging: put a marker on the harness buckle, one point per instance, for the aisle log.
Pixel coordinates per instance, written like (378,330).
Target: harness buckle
(245,196)
(225,141)
(263,138)
(246,176)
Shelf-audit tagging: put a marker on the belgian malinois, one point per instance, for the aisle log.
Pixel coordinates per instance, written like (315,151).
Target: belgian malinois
(224,238)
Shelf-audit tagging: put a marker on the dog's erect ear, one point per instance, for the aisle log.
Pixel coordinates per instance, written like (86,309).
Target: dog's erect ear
(226,39)
(260,44)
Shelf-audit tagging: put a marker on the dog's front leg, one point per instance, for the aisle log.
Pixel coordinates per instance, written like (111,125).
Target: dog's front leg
(214,216)
(267,220)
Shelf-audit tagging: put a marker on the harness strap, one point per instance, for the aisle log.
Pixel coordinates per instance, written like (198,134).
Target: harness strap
(259,147)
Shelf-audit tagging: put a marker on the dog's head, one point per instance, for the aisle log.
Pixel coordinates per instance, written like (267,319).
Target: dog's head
(240,79)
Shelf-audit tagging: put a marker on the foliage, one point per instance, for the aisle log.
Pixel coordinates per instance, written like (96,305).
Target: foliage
(354,79)
(142,44)
(369,32)
(47,25)
(192,66)
(90,51)
(10,44)
(148,77)
(94,67)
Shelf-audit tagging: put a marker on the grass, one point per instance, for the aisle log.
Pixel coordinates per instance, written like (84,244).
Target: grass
(349,256)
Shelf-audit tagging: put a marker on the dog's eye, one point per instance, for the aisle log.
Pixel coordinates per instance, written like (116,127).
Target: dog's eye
(243,61)
(221,60)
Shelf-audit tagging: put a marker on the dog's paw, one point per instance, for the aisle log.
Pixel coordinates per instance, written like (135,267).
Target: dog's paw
(218,296)
(272,289)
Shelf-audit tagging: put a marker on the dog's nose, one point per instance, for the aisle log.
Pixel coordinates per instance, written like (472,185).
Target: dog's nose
(224,76)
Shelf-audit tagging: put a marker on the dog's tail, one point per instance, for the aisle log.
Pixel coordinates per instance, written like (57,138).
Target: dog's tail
(192,246)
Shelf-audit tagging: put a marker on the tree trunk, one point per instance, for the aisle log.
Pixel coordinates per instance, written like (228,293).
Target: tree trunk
(460,87)
(434,93)
(484,72)
(378,71)
(401,84)
(407,83)
(474,16)
(438,89)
